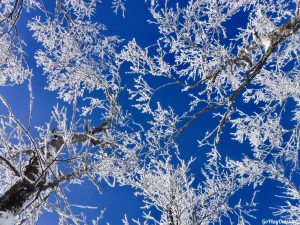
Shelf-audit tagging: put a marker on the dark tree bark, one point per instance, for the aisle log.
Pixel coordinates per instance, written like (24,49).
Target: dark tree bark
(34,182)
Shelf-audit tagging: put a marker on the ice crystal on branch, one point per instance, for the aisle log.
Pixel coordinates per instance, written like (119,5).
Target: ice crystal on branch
(232,67)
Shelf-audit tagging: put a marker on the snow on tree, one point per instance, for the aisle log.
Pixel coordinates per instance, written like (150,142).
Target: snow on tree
(197,53)
(221,72)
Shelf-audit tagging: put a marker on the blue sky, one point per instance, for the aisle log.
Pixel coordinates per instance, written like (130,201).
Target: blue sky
(121,200)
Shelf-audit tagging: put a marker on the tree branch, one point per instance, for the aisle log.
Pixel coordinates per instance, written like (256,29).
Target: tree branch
(276,37)
(15,198)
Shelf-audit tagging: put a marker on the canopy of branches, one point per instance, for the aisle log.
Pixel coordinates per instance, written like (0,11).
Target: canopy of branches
(134,113)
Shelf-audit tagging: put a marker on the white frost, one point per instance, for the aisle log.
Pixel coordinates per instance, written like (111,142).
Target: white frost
(6,218)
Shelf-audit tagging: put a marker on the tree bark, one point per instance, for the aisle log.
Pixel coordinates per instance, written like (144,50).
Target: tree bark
(15,198)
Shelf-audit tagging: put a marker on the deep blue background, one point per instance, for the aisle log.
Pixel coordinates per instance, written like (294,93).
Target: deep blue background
(121,200)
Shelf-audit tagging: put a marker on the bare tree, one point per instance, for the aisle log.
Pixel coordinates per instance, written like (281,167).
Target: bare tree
(195,54)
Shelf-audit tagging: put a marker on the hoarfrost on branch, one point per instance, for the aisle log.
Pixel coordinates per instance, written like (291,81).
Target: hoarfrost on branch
(221,67)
